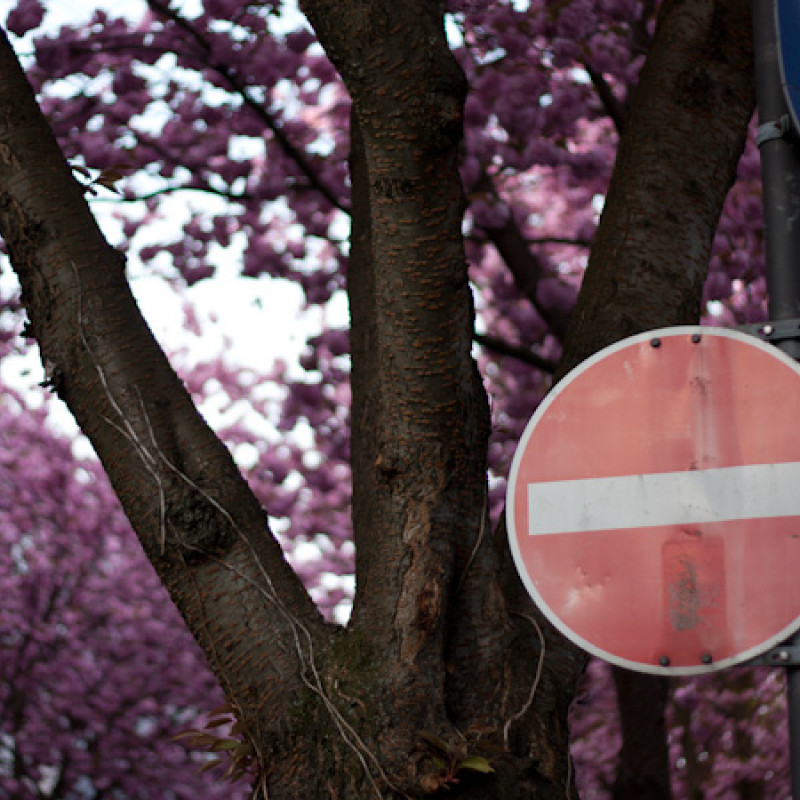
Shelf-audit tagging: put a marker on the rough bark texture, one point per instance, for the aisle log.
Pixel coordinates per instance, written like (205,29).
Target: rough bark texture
(197,520)
(426,563)
(643,772)
(676,161)
(445,656)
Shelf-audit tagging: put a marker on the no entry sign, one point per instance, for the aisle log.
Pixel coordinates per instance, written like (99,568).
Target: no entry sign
(654,501)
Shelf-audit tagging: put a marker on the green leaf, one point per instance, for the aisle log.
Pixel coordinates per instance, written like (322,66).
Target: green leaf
(184,734)
(110,175)
(224,744)
(243,751)
(234,772)
(217,722)
(225,708)
(210,765)
(476,764)
(196,738)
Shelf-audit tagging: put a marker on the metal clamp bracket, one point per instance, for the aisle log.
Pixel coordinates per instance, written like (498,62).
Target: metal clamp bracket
(776,129)
(778,331)
(785,655)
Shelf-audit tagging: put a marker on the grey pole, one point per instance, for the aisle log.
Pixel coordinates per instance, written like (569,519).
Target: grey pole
(780,173)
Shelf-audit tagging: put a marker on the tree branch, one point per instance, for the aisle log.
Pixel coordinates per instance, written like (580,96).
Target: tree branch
(243,90)
(614,107)
(427,565)
(524,354)
(528,270)
(641,37)
(568,240)
(200,525)
(647,266)
(525,266)
(420,415)
(234,197)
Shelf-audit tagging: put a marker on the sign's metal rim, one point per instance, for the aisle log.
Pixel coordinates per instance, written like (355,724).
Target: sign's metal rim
(522,570)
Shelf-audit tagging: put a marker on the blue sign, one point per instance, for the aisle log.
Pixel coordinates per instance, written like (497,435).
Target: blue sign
(788,24)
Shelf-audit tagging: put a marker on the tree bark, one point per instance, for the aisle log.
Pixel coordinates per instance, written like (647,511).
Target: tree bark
(677,158)
(200,525)
(643,772)
(420,419)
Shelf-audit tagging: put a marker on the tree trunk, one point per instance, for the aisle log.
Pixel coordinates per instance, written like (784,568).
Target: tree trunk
(445,658)
(643,772)
(676,160)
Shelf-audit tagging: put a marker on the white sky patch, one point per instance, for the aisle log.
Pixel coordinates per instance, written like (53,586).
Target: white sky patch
(72,12)
(253,322)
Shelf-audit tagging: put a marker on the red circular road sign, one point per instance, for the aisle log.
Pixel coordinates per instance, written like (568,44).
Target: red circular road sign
(654,501)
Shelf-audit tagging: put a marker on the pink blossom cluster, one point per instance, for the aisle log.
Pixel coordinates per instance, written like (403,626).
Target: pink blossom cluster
(98,671)
(727,735)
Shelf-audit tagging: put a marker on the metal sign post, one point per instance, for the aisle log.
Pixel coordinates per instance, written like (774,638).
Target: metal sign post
(776,32)
(775,49)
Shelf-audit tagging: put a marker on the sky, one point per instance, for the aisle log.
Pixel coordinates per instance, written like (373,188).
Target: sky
(254,322)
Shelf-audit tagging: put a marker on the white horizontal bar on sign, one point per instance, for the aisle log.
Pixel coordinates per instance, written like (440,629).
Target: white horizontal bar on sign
(664,498)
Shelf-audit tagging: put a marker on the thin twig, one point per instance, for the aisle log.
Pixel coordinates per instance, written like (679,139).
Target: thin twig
(244,91)
(525,354)
(614,107)
(532,694)
(478,541)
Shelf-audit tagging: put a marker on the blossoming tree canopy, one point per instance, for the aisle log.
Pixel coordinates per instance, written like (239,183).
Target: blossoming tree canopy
(254,116)
(98,672)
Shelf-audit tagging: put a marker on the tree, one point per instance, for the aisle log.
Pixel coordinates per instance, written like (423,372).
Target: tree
(445,669)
